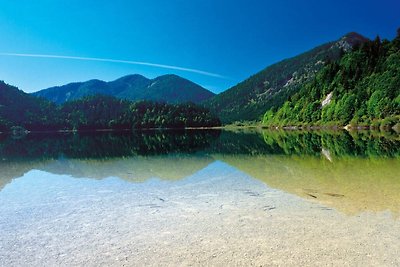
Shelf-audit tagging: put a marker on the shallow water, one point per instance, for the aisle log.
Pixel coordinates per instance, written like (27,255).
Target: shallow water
(200,198)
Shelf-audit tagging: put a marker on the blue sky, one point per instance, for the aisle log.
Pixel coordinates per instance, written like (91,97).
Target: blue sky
(233,39)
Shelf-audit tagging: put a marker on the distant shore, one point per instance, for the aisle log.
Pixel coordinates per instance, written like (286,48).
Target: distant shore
(246,125)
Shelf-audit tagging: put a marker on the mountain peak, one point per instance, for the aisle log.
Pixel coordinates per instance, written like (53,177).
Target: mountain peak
(94,82)
(169,76)
(167,88)
(351,39)
(354,36)
(132,77)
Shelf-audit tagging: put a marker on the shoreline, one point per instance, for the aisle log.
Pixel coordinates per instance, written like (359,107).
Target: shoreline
(348,127)
(110,130)
(228,127)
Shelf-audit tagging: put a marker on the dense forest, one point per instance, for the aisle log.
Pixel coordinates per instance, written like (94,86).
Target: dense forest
(18,109)
(360,89)
(106,112)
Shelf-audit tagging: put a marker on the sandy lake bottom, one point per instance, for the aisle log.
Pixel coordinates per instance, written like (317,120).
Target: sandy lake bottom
(217,216)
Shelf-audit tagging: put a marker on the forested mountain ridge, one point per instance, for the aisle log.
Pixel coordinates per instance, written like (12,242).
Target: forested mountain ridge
(22,111)
(360,89)
(167,88)
(248,100)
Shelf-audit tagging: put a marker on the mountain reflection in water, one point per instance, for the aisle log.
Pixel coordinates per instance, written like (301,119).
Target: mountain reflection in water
(350,172)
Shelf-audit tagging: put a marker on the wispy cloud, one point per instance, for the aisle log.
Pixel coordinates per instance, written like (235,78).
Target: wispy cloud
(170,67)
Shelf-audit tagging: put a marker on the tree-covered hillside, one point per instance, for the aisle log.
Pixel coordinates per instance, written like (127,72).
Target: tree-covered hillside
(167,88)
(271,87)
(362,88)
(18,109)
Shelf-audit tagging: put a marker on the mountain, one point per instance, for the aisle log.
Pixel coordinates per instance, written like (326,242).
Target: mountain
(248,100)
(20,109)
(167,88)
(361,89)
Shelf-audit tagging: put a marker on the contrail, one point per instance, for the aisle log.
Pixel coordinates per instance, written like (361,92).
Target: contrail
(118,61)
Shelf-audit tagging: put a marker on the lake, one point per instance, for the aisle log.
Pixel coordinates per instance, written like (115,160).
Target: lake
(205,197)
